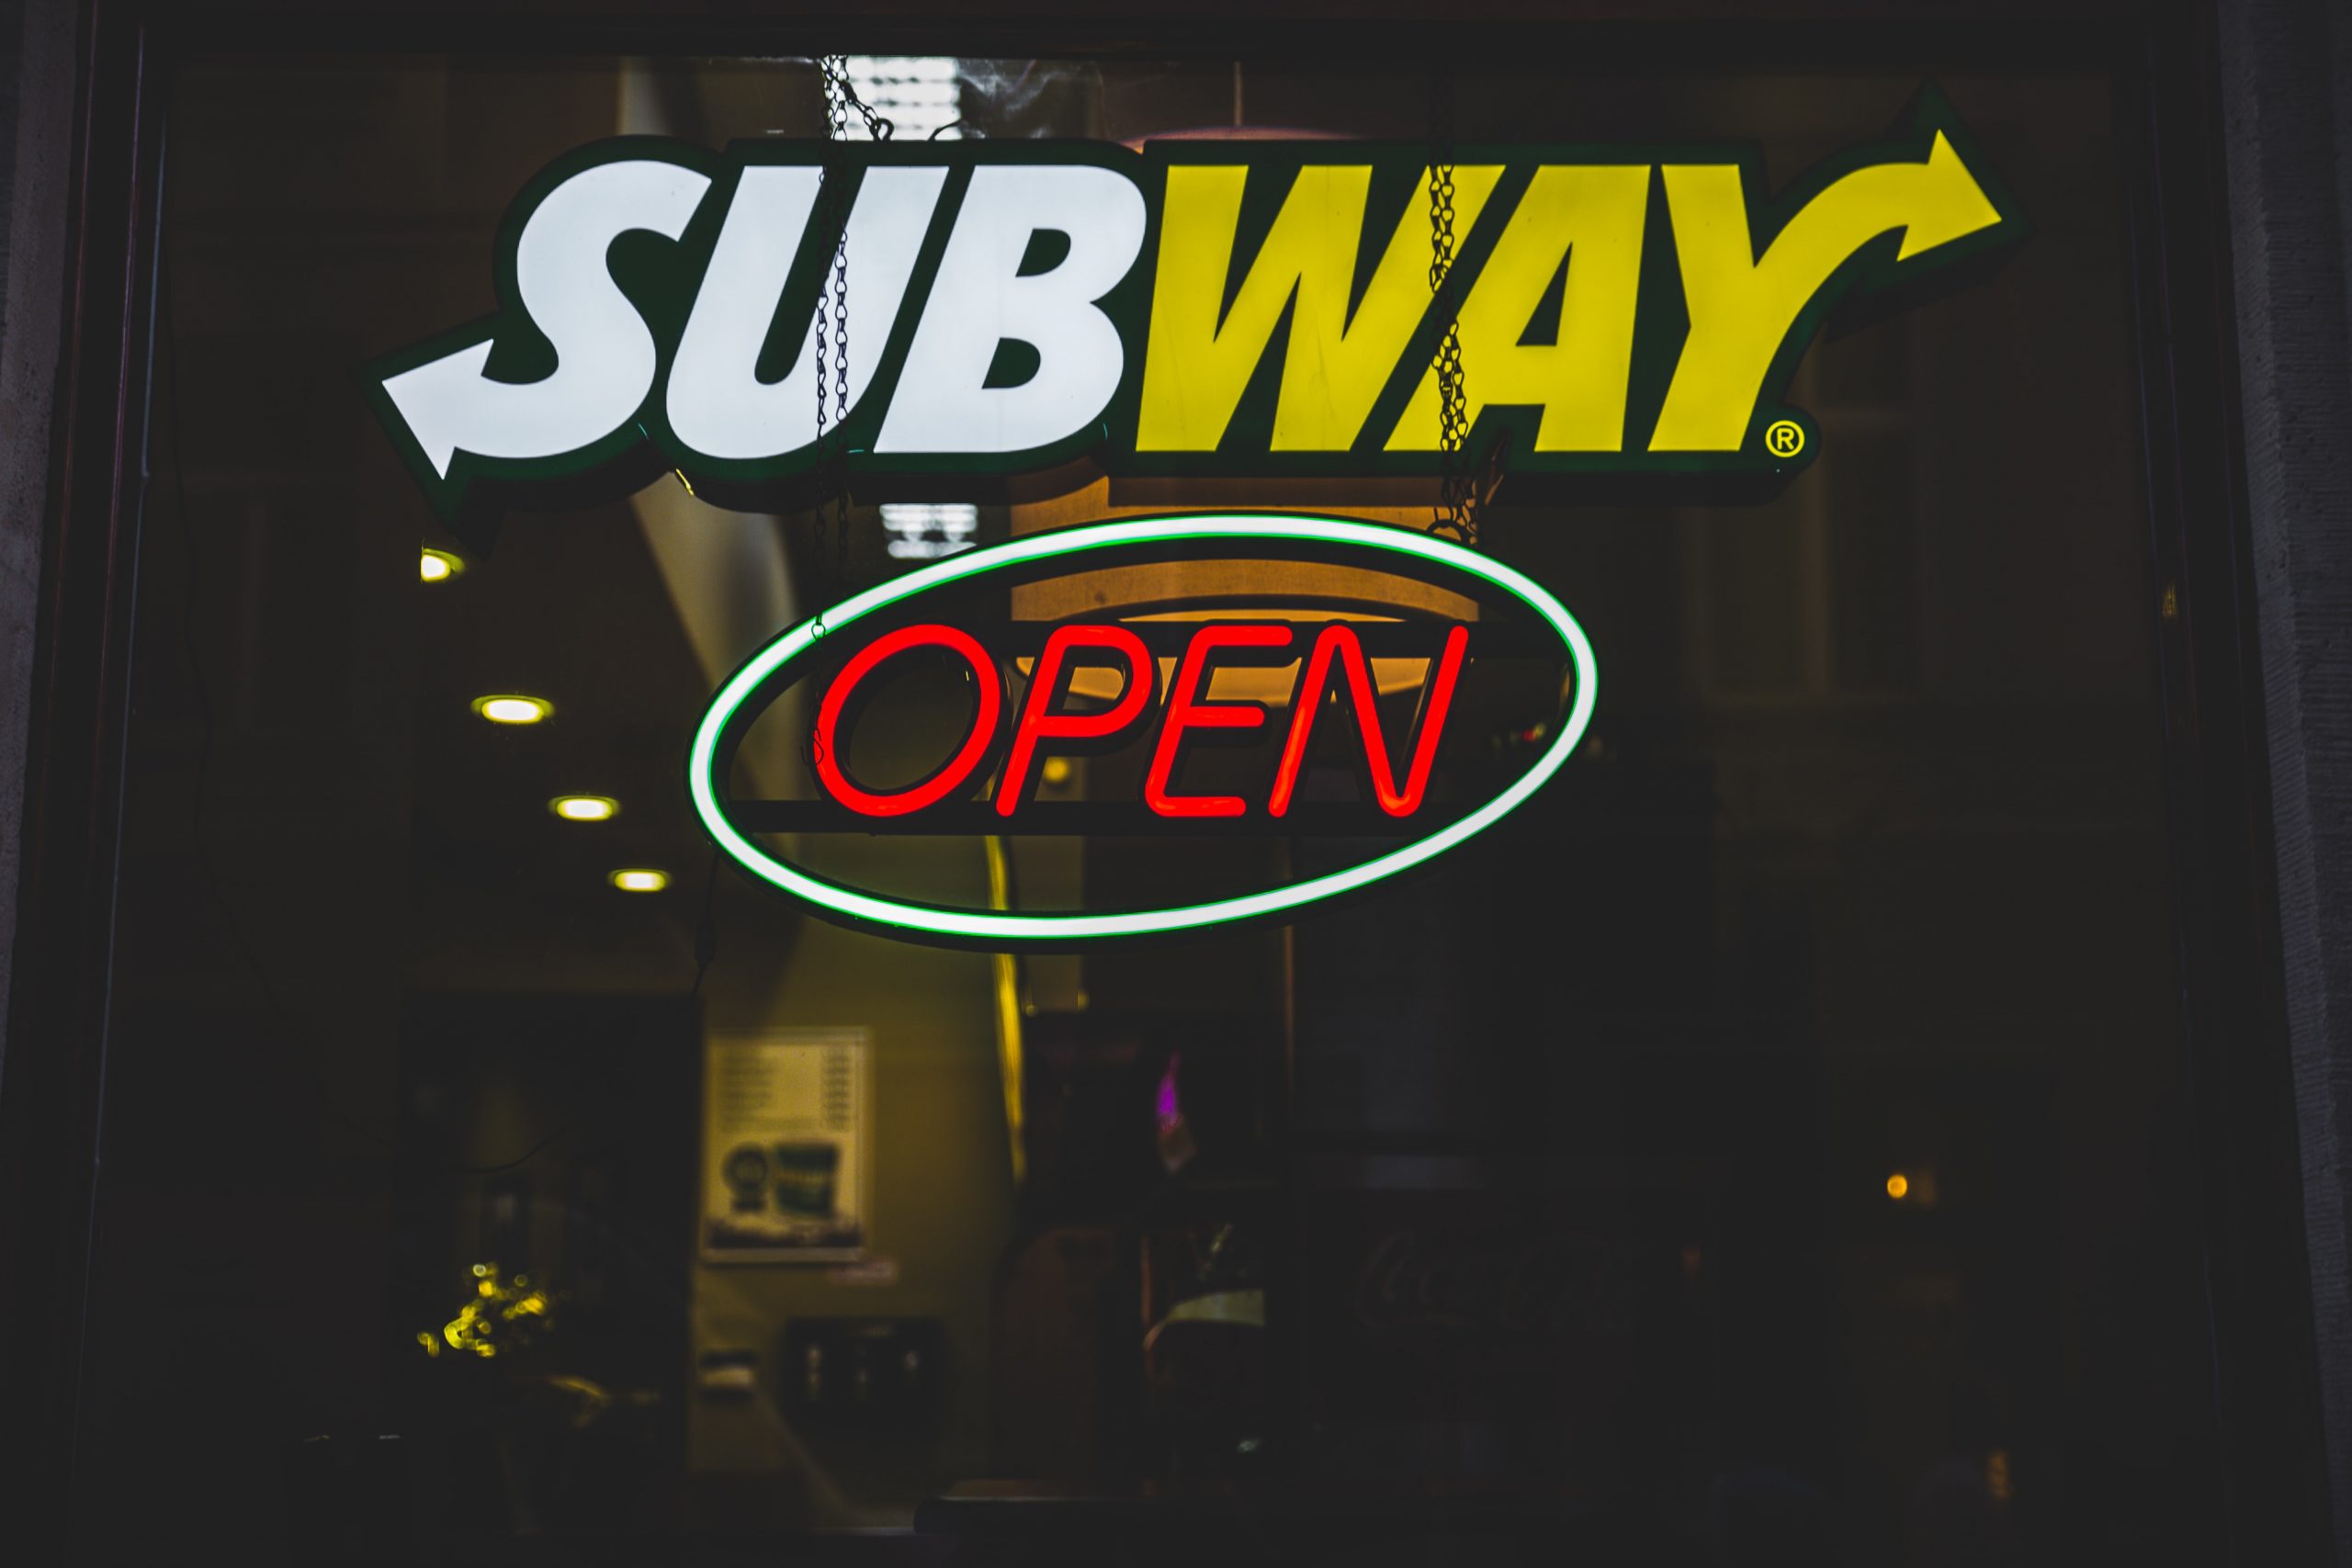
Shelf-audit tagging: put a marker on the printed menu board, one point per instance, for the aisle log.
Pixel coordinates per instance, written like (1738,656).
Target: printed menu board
(786,1126)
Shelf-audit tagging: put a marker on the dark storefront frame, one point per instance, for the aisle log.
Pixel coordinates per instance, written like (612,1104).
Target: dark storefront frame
(2162,62)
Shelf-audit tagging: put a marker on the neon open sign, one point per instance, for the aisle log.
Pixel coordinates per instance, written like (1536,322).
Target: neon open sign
(1337,652)
(966,792)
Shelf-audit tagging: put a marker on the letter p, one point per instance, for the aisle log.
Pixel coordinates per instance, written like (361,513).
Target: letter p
(1038,722)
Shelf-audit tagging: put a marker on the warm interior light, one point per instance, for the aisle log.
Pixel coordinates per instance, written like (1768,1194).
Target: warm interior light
(512,709)
(1898,1187)
(640,881)
(438,566)
(583,807)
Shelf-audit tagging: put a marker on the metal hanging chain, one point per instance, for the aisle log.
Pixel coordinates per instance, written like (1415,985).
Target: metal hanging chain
(841,97)
(840,94)
(1456,512)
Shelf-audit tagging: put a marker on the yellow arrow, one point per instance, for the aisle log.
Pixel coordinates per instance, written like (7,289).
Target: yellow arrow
(1742,307)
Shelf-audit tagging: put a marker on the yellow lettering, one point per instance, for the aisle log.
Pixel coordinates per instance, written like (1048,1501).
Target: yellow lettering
(1196,366)
(1742,308)
(1590,215)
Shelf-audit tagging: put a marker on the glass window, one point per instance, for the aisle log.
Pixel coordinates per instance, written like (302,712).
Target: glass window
(1767,1144)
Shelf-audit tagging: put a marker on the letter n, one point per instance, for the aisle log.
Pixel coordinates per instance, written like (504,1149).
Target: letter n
(1340,644)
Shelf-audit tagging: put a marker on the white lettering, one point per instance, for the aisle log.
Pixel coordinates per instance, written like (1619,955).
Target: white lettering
(717,403)
(604,355)
(978,300)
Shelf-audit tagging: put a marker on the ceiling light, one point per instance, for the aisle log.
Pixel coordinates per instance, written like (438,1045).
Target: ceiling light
(925,532)
(583,807)
(507,708)
(438,566)
(640,880)
(918,93)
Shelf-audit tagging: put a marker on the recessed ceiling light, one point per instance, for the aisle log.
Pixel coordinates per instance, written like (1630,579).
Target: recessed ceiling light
(640,880)
(583,807)
(439,565)
(507,708)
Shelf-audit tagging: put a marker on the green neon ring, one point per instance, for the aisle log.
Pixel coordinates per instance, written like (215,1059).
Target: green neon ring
(984,926)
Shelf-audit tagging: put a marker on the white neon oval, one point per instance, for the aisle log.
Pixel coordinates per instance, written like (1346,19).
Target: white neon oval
(1013,929)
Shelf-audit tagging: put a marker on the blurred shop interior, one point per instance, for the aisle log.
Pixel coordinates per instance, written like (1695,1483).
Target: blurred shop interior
(1768,1146)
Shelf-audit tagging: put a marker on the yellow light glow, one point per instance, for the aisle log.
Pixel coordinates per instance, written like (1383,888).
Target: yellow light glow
(640,880)
(1898,1187)
(508,708)
(1008,1006)
(585,807)
(438,566)
(1058,771)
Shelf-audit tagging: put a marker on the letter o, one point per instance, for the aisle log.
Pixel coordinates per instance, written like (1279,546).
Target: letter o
(865,803)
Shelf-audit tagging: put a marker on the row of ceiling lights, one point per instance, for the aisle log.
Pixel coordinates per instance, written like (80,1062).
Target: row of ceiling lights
(509,707)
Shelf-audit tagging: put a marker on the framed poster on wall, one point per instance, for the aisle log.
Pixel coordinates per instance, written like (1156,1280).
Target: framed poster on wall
(787,1129)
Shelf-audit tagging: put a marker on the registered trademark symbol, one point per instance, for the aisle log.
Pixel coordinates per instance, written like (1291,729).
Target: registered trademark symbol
(1784,438)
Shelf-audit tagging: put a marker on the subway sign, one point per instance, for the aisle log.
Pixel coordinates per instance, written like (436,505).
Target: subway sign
(1349,699)
(1628,315)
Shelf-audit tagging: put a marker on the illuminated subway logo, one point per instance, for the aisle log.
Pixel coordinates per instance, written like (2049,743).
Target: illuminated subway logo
(1197,307)
(1154,696)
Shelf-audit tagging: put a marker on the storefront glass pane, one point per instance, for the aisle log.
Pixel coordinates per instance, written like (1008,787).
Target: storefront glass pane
(1768,1144)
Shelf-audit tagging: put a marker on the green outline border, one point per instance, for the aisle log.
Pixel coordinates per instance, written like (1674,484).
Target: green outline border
(923,923)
